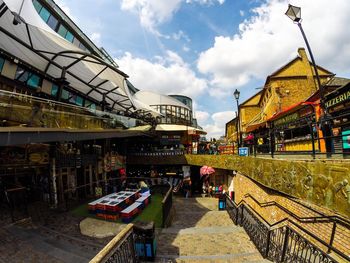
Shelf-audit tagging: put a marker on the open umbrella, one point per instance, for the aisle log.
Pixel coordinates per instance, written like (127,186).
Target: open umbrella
(206,170)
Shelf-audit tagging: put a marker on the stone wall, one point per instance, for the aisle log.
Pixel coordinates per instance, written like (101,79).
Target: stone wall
(321,182)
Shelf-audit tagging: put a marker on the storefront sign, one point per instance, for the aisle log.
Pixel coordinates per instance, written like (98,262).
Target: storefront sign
(341,98)
(286,119)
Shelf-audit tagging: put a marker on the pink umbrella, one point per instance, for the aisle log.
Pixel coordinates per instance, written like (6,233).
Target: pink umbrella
(206,170)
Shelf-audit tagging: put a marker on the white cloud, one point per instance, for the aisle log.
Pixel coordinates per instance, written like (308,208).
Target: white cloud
(268,40)
(181,35)
(152,12)
(241,12)
(66,9)
(201,116)
(205,2)
(166,75)
(96,38)
(155,12)
(217,128)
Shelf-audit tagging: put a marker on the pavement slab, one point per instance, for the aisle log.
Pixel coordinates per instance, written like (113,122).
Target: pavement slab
(201,233)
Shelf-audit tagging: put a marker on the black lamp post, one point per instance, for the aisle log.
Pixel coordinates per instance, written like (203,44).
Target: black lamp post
(294,13)
(236,94)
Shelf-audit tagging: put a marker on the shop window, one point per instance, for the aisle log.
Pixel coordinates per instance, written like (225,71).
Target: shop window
(54,90)
(2,62)
(62,31)
(45,14)
(69,36)
(52,22)
(37,5)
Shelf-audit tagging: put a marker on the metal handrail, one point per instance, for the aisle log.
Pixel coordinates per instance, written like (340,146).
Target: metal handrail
(311,219)
(119,249)
(288,221)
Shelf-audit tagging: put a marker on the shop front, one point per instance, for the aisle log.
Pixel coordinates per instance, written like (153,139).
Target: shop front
(294,130)
(337,104)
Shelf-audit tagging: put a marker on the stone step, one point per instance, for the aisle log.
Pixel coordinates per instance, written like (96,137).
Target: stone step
(236,258)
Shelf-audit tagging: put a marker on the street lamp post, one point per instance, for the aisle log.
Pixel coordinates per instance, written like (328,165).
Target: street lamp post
(294,13)
(236,94)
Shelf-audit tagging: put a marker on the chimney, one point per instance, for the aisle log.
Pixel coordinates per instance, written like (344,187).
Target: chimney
(302,54)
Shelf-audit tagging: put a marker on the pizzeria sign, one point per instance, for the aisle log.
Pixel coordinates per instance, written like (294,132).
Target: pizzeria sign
(341,98)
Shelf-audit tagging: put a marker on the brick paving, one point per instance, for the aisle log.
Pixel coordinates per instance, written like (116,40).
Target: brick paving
(200,233)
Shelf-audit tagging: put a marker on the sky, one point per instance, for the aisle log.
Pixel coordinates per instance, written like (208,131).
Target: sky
(205,49)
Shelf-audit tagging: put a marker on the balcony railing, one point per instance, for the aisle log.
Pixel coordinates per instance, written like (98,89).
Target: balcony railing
(27,111)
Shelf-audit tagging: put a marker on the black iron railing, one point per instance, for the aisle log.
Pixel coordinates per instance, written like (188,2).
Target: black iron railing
(167,204)
(285,240)
(121,249)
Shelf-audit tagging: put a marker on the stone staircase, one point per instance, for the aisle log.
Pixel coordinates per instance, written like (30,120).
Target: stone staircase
(201,233)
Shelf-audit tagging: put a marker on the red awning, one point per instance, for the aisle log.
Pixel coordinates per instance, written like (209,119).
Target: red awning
(289,109)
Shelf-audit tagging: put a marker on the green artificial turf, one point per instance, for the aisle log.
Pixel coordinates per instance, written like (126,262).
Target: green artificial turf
(153,212)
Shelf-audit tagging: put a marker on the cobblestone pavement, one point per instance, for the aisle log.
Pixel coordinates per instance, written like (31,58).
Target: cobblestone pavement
(51,237)
(200,233)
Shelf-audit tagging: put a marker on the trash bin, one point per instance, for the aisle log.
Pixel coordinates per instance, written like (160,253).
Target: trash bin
(222,202)
(145,242)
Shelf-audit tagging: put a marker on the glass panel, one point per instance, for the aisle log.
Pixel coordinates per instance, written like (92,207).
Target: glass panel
(2,62)
(62,31)
(52,22)
(82,46)
(69,36)
(45,14)
(65,94)
(33,80)
(79,101)
(37,5)
(54,90)
(21,74)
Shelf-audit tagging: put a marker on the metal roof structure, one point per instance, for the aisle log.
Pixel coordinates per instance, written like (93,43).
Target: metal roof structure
(25,36)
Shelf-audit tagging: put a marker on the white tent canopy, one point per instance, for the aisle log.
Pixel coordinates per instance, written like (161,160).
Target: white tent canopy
(35,43)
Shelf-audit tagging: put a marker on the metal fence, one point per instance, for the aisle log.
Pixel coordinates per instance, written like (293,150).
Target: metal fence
(167,204)
(120,249)
(285,240)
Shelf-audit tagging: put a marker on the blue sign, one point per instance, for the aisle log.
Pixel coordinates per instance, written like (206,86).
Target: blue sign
(243,151)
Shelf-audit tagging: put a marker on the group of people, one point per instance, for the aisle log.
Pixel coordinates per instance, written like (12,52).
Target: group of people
(210,190)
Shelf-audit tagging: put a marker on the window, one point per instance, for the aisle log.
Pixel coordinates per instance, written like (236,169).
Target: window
(2,62)
(37,5)
(62,31)
(33,80)
(29,78)
(90,105)
(54,90)
(82,47)
(65,94)
(52,22)
(45,14)
(69,36)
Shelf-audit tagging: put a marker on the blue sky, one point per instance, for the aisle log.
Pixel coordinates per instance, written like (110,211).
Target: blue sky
(205,49)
